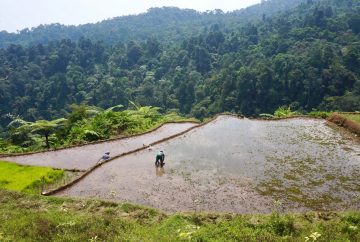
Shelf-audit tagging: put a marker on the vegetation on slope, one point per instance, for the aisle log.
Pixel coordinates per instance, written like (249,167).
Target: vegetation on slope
(83,124)
(166,24)
(350,121)
(354,117)
(30,179)
(284,112)
(34,218)
(305,58)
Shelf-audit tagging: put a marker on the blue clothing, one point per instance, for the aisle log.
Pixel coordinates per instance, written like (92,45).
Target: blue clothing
(105,157)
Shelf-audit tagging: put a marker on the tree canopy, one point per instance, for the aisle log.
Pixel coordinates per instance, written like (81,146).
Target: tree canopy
(252,61)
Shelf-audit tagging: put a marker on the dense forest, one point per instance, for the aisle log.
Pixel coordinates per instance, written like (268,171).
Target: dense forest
(250,61)
(167,24)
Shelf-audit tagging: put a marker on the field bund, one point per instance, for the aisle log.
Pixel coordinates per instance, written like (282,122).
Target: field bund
(86,156)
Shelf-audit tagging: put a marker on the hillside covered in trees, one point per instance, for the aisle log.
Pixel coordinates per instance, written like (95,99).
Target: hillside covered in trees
(250,61)
(167,24)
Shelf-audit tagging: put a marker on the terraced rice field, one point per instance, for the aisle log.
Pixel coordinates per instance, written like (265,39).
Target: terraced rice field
(84,157)
(237,165)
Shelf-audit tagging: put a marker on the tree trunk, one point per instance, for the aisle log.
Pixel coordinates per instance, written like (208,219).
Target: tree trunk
(47,141)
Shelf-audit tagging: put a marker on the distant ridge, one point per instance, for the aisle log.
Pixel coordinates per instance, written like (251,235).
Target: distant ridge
(170,23)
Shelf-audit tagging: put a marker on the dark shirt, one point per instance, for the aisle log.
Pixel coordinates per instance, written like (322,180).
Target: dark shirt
(160,156)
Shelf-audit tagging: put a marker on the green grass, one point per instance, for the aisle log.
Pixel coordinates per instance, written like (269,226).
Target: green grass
(26,217)
(320,114)
(26,178)
(353,117)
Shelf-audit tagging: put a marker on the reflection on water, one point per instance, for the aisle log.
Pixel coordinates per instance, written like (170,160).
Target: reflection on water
(300,161)
(159,170)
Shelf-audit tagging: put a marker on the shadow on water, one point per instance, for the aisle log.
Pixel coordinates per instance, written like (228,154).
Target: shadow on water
(239,165)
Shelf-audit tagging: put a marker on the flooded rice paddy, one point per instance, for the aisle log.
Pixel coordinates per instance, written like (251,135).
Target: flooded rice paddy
(86,156)
(237,165)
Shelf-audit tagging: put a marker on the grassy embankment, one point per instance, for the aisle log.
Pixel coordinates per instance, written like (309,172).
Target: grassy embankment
(28,179)
(34,218)
(354,117)
(350,121)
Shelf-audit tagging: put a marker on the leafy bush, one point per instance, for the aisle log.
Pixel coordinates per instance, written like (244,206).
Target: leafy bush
(90,135)
(86,124)
(319,114)
(281,225)
(284,112)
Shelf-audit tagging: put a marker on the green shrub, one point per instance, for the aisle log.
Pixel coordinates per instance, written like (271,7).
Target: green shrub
(99,125)
(281,225)
(319,114)
(284,112)
(90,135)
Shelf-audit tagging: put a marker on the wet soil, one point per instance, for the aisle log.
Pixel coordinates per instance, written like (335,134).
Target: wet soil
(86,156)
(237,165)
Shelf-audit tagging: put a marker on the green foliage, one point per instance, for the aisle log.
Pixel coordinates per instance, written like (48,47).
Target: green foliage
(78,113)
(44,127)
(353,117)
(26,178)
(282,225)
(34,218)
(81,126)
(284,112)
(41,127)
(319,114)
(158,23)
(248,62)
(109,123)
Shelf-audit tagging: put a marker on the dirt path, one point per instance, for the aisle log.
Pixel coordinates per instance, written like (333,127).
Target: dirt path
(86,156)
(240,166)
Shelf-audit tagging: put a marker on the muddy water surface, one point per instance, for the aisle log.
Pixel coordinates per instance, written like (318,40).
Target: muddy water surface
(86,156)
(240,166)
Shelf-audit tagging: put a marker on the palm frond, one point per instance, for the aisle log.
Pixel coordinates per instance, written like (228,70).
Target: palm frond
(114,107)
(18,122)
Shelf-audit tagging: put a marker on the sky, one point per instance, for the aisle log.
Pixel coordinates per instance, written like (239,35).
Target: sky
(19,14)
